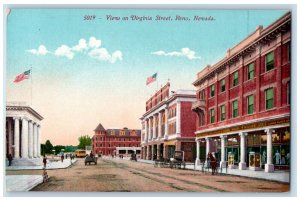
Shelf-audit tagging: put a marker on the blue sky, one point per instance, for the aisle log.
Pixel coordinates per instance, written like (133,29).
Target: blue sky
(105,82)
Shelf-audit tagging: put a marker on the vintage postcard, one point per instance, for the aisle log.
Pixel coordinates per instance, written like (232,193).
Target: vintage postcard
(148,100)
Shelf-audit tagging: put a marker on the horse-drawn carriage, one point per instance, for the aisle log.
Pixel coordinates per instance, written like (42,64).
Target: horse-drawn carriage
(177,161)
(133,157)
(88,160)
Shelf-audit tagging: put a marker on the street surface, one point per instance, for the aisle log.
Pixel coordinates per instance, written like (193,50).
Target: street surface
(117,175)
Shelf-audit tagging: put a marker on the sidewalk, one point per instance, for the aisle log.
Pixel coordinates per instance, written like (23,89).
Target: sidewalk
(16,183)
(279,176)
(50,165)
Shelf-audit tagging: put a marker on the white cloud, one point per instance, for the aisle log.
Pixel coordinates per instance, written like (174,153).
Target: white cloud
(82,45)
(103,55)
(185,52)
(42,50)
(90,47)
(94,43)
(64,50)
(117,55)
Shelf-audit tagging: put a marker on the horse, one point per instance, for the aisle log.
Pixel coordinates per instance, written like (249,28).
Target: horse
(213,163)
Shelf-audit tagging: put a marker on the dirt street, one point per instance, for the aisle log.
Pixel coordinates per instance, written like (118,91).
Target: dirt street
(116,175)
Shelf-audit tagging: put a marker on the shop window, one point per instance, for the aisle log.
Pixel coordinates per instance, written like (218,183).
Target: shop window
(251,71)
(212,116)
(250,104)
(263,139)
(235,78)
(223,85)
(212,90)
(222,108)
(269,98)
(270,61)
(234,109)
(276,138)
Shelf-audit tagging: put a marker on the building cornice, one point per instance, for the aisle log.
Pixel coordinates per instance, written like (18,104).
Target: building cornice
(279,26)
(25,108)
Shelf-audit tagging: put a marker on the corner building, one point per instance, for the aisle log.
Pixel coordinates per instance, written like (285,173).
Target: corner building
(168,125)
(243,102)
(116,141)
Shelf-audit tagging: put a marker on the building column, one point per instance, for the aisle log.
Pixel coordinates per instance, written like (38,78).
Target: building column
(39,140)
(149,130)
(10,136)
(148,153)
(152,150)
(24,138)
(30,139)
(166,124)
(242,164)
(158,152)
(197,162)
(146,130)
(178,118)
(223,160)
(159,125)
(165,152)
(154,126)
(35,144)
(207,148)
(269,166)
(17,138)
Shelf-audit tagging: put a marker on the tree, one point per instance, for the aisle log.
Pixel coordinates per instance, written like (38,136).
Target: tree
(84,140)
(58,148)
(70,148)
(48,147)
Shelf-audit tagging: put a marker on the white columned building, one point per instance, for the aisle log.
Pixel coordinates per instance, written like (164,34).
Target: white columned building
(16,146)
(24,135)
(30,139)
(24,138)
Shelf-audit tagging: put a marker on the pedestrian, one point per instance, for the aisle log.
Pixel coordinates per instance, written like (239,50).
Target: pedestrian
(10,158)
(45,161)
(66,156)
(62,158)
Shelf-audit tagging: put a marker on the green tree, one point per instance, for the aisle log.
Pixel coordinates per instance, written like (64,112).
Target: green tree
(70,148)
(84,140)
(48,147)
(58,148)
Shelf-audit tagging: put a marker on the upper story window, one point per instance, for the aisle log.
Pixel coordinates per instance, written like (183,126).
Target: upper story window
(269,98)
(212,90)
(251,71)
(222,117)
(212,116)
(235,78)
(222,85)
(270,61)
(235,108)
(250,104)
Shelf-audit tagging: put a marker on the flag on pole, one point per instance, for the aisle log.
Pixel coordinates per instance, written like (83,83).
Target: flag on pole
(22,76)
(151,79)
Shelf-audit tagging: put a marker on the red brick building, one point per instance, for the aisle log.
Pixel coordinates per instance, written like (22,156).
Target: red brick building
(169,124)
(104,141)
(243,101)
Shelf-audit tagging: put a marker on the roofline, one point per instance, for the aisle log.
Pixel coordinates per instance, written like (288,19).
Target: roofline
(264,32)
(29,109)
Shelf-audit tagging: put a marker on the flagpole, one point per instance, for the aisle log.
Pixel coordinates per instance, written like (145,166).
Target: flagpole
(31,84)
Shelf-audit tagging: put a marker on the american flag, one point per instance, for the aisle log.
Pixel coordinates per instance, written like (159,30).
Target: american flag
(22,76)
(151,79)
